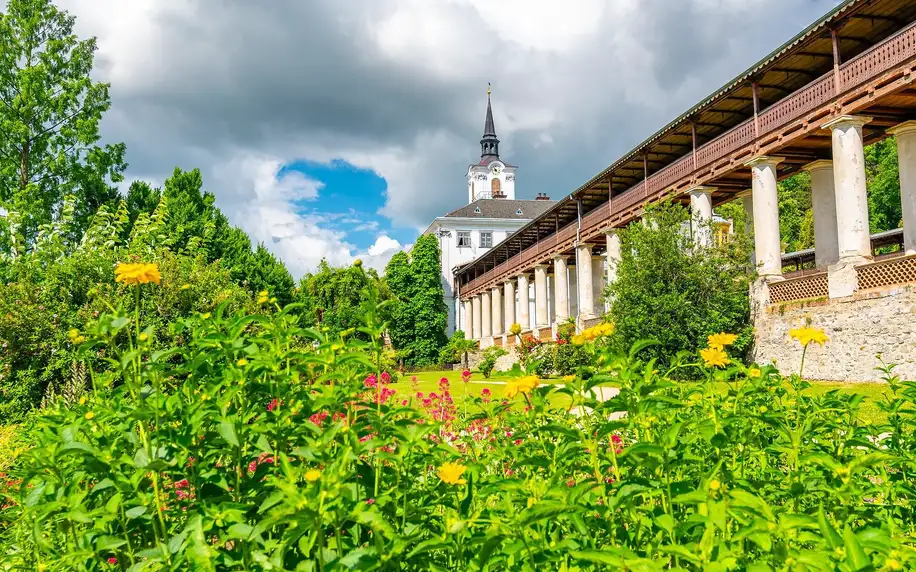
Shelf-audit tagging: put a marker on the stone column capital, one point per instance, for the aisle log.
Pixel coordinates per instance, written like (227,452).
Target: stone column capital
(764,160)
(846,121)
(541,266)
(745,194)
(818,165)
(905,128)
(612,231)
(559,257)
(701,190)
(585,245)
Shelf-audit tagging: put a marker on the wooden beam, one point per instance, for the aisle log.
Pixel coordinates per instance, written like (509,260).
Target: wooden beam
(813,55)
(775,86)
(807,73)
(879,18)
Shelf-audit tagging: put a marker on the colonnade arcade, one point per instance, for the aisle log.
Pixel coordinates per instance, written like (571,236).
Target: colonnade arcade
(572,285)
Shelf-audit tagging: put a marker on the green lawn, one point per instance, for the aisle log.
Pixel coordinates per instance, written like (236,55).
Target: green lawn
(429,381)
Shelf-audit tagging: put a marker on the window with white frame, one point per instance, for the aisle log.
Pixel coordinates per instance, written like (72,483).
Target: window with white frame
(464,239)
(486,239)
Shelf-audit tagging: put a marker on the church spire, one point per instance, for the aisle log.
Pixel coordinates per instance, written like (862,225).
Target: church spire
(489,144)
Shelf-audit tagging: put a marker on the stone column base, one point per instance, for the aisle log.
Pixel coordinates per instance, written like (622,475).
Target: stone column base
(842,278)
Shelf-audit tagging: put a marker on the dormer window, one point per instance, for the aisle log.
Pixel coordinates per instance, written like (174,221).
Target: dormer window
(518,212)
(477,210)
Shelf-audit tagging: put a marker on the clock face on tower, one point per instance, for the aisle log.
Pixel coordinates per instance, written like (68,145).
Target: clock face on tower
(495,171)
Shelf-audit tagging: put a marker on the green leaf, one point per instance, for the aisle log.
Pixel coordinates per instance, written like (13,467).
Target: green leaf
(830,534)
(135,512)
(855,555)
(227,432)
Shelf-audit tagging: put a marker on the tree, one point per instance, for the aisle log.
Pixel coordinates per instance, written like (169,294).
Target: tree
(794,205)
(49,118)
(457,349)
(332,297)
(419,317)
(671,292)
(883,179)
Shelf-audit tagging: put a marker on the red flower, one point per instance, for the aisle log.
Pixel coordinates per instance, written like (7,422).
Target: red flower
(274,403)
(112,560)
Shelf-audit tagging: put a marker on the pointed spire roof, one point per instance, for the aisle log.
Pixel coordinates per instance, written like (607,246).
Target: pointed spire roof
(488,127)
(489,144)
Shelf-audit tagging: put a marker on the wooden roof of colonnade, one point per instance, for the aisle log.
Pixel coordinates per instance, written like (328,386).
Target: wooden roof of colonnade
(782,89)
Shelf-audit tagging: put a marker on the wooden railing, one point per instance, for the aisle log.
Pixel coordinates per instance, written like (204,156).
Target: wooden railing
(869,64)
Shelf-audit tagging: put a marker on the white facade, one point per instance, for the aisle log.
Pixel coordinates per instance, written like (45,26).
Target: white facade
(453,255)
(490,181)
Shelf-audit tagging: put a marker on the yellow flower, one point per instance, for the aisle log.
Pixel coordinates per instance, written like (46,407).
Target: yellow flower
(450,473)
(714,485)
(515,329)
(205,315)
(143,336)
(807,335)
(568,378)
(137,273)
(312,475)
(521,385)
(753,372)
(273,300)
(721,340)
(83,400)
(242,362)
(357,263)
(595,332)
(90,415)
(714,357)
(73,333)
(262,299)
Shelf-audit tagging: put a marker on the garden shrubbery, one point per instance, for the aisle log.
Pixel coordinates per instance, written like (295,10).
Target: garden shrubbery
(255,443)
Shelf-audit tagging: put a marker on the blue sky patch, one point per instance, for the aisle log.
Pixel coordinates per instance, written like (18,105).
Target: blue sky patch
(348,201)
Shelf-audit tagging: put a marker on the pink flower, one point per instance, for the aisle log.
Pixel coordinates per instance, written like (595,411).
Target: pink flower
(466,376)
(370,502)
(571,483)
(386,377)
(404,403)
(182,484)
(318,418)
(419,395)
(273,404)
(112,560)
(370,381)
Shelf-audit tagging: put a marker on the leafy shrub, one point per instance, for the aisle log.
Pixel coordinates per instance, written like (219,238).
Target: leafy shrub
(671,292)
(488,360)
(568,358)
(457,348)
(257,443)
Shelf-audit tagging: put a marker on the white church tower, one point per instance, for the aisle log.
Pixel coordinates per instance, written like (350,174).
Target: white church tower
(490,178)
(491,215)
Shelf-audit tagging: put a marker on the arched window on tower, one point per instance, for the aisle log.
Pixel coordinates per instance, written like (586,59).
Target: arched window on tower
(495,187)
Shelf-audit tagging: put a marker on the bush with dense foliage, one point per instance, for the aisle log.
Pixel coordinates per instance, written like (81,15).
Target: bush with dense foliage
(488,360)
(333,297)
(671,292)
(257,443)
(568,358)
(419,314)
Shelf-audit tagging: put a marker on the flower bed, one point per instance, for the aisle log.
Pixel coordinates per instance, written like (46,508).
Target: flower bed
(259,444)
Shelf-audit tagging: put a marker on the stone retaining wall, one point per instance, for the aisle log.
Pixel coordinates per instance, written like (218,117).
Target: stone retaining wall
(503,363)
(860,328)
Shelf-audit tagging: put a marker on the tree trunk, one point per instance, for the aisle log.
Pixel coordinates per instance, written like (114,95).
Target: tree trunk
(24,166)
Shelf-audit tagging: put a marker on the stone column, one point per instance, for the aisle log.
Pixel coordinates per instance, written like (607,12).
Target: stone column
(468,319)
(613,254)
(853,236)
(561,288)
(906,157)
(497,297)
(701,216)
(509,300)
(524,312)
(747,201)
(766,215)
(541,317)
(486,318)
(598,283)
(476,321)
(584,282)
(823,203)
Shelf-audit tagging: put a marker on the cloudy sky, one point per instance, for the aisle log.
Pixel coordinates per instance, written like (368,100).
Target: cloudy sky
(340,128)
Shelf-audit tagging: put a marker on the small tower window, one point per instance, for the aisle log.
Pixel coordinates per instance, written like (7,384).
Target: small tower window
(495,187)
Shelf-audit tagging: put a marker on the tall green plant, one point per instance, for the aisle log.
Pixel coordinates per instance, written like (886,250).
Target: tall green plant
(672,292)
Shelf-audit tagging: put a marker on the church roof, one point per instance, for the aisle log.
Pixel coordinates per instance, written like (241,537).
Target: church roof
(502,208)
(487,159)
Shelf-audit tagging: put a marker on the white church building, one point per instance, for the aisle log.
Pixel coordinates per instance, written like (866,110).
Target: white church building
(491,215)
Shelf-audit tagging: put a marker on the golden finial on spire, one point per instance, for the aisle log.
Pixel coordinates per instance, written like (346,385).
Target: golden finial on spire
(488,89)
